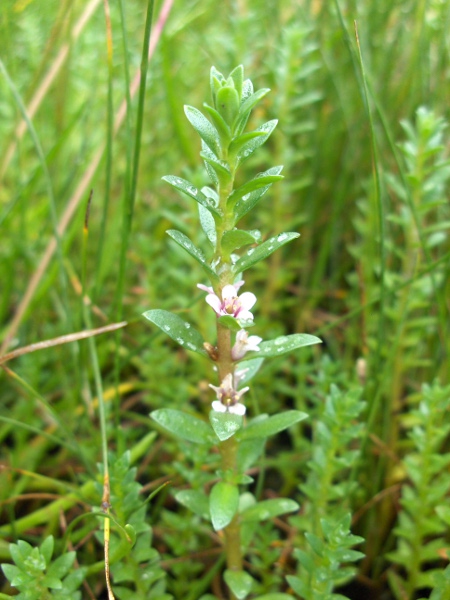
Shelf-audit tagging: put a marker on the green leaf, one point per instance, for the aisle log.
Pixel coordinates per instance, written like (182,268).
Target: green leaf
(240,141)
(264,428)
(298,586)
(179,330)
(220,124)
(249,452)
(249,148)
(204,128)
(15,576)
(239,582)
(225,424)
(208,224)
(247,202)
(195,500)
(251,367)
(242,118)
(230,322)
(250,102)
(227,103)
(190,190)
(254,255)
(240,123)
(20,552)
(223,504)
(268,509)
(285,343)
(185,243)
(61,566)
(46,549)
(236,238)
(237,75)
(220,167)
(52,582)
(261,180)
(183,425)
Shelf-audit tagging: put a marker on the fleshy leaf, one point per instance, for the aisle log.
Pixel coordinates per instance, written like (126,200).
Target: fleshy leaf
(261,180)
(15,576)
(254,255)
(268,509)
(208,224)
(237,75)
(227,102)
(179,330)
(242,140)
(61,565)
(46,549)
(263,428)
(239,582)
(190,190)
(286,343)
(183,241)
(247,202)
(251,367)
(203,127)
(236,238)
(223,504)
(249,452)
(230,322)
(195,500)
(183,425)
(220,124)
(248,149)
(225,424)
(220,167)
(249,103)
(207,152)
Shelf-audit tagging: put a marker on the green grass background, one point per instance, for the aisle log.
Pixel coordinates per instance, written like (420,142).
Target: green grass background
(369,274)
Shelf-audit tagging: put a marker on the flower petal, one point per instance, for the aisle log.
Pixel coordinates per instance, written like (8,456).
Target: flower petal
(237,409)
(205,288)
(229,292)
(217,406)
(244,315)
(214,302)
(247,300)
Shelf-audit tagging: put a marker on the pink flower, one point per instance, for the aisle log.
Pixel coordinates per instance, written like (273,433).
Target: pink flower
(230,304)
(244,343)
(228,397)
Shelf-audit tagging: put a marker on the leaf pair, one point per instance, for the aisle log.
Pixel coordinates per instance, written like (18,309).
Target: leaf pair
(187,336)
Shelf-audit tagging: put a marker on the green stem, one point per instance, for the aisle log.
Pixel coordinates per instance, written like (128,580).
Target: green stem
(228,450)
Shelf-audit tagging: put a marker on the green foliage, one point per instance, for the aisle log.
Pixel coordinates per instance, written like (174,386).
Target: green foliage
(38,577)
(322,564)
(373,285)
(239,582)
(179,330)
(421,533)
(325,548)
(135,568)
(223,504)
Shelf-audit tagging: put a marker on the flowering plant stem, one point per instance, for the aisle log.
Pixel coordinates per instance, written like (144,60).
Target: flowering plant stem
(225,146)
(233,551)
(228,451)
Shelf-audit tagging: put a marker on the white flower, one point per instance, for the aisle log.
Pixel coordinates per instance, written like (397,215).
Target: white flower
(235,409)
(244,343)
(231,303)
(228,397)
